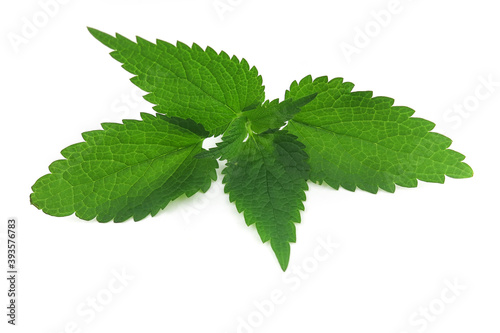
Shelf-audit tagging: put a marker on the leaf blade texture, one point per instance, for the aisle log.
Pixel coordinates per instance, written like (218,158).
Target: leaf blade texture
(125,170)
(188,82)
(274,114)
(267,180)
(355,140)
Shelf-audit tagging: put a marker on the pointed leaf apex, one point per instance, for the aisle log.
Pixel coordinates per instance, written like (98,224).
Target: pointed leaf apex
(104,38)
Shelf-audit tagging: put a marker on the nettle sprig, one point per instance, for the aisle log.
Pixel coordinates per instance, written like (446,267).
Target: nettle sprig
(321,132)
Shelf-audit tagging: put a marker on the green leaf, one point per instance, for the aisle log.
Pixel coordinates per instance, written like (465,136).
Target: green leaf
(269,116)
(266,179)
(356,140)
(273,115)
(126,170)
(188,82)
(232,139)
(321,131)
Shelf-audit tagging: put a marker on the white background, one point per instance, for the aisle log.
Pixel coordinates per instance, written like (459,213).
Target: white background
(196,267)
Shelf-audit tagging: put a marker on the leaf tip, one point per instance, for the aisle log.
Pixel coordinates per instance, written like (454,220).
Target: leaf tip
(103,37)
(284,263)
(282,252)
(464,171)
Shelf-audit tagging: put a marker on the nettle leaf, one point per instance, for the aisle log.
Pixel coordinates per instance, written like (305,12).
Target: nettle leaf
(126,170)
(188,82)
(356,140)
(267,180)
(273,115)
(234,135)
(321,131)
